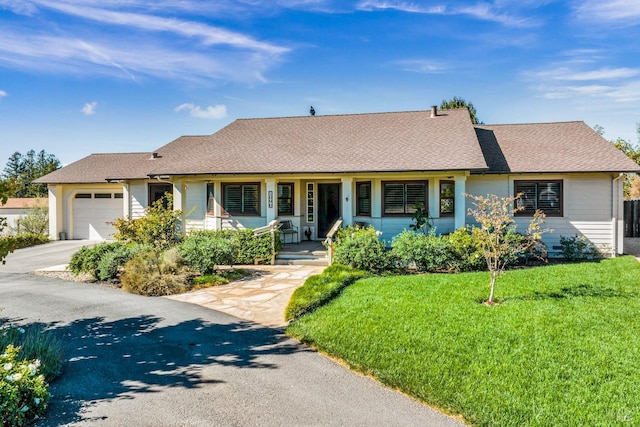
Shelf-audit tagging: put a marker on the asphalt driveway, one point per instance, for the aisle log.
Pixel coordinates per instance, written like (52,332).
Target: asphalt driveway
(133,360)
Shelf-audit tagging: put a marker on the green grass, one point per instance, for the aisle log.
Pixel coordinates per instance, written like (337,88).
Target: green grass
(320,289)
(35,343)
(561,348)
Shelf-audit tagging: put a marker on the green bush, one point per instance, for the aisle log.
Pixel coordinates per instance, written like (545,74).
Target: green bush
(318,290)
(34,222)
(424,252)
(251,248)
(35,343)
(578,248)
(156,273)
(466,251)
(112,262)
(159,226)
(23,390)
(205,251)
(361,249)
(87,259)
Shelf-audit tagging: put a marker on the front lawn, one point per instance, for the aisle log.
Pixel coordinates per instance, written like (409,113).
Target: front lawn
(561,348)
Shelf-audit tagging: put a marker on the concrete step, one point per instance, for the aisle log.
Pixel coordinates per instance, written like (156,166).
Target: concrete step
(310,261)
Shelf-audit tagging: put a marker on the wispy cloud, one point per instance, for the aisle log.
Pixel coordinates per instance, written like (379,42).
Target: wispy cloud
(609,11)
(89,108)
(159,46)
(573,80)
(3,93)
(482,10)
(424,66)
(211,112)
(209,35)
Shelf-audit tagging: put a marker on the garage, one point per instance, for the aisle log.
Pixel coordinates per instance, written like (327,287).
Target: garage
(94,215)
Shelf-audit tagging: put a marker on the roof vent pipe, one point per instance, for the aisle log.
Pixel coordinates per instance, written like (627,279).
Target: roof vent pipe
(434,111)
(156,155)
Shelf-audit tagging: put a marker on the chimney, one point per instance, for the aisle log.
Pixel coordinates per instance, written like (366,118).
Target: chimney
(434,111)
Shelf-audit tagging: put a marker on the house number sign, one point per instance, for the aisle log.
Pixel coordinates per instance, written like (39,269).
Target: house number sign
(270,198)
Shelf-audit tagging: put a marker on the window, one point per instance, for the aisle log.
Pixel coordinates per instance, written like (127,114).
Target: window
(543,195)
(401,198)
(363,198)
(158,191)
(83,196)
(285,199)
(241,199)
(447,197)
(103,195)
(210,198)
(118,196)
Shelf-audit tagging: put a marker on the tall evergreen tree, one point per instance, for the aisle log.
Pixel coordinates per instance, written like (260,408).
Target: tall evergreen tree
(21,170)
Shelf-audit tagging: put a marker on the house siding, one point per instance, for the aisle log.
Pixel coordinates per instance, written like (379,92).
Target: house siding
(195,205)
(586,206)
(139,194)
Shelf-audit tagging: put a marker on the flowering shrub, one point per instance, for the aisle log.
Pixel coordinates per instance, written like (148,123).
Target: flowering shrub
(23,390)
(361,248)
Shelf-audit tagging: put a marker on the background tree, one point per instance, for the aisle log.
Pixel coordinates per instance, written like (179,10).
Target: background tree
(631,181)
(21,170)
(500,242)
(457,102)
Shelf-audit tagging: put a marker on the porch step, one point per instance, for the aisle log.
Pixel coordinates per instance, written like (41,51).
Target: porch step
(302,258)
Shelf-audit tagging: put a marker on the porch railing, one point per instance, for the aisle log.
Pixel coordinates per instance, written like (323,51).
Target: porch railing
(269,228)
(328,242)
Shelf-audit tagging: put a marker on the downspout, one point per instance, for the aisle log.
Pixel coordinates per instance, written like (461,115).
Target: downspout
(618,247)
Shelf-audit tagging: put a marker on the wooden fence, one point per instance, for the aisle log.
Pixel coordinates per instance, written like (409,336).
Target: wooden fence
(632,218)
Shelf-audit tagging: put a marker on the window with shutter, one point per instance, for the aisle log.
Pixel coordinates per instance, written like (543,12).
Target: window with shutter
(401,198)
(363,198)
(241,199)
(285,199)
(544,195)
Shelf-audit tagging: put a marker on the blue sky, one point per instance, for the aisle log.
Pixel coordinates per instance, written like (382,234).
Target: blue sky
(80,76)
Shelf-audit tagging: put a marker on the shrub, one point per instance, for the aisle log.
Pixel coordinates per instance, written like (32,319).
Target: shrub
(23,391)
(34,222)
(112,262)
(35,343)
(577,248)
(24,240)
(318,290)
(159,226)
(251,248)
(205,251)
(361,249)
(87,259)
(155,273)
(424,252)
(466,251)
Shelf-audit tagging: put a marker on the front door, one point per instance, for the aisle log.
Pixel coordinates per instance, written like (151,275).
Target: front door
(328,207)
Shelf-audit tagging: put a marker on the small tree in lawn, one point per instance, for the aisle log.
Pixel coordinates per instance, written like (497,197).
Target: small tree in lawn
(501,243)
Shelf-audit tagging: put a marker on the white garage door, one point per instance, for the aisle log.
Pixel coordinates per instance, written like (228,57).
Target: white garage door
(94,214)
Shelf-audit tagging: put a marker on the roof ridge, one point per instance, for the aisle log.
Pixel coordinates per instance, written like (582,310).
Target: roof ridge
(529,123)
(344,114)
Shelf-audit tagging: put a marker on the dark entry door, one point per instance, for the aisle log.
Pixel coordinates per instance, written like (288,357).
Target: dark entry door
(328,207)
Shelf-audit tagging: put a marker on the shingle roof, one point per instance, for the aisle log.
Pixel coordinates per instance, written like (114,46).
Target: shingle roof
(410,141)
(550,147)
(377,142)
(101,167)
(25,202)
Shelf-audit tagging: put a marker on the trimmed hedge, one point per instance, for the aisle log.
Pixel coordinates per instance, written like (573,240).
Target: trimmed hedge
(318,290)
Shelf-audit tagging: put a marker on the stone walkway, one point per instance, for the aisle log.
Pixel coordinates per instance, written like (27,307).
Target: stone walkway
(260,298)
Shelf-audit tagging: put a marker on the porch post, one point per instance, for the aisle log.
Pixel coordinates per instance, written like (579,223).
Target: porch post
(272,199)
(347,201)
(460,205)
(178,201)
(126,200)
